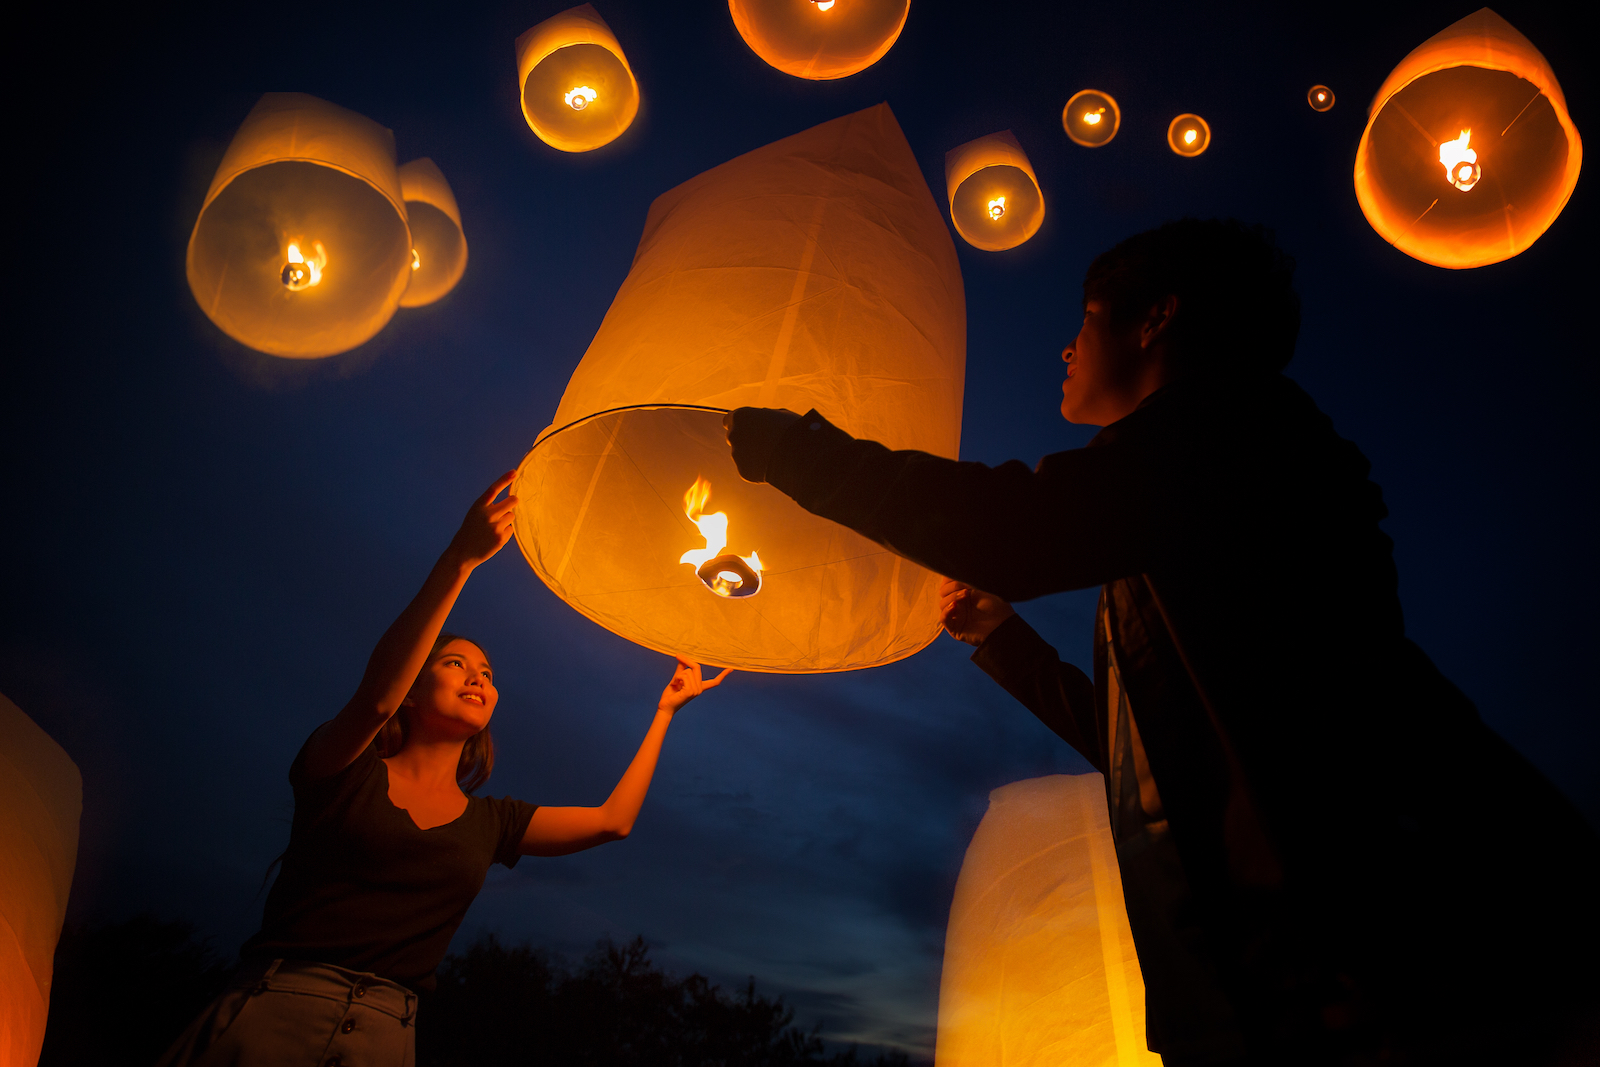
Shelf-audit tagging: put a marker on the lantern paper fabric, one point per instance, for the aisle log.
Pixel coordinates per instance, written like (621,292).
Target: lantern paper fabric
(578,92)
(305,173)
(41,799)
(1188,135)
(1091,118)
(814,272)
(820,40)
(1039,964)
(995,200)
(1477,93)
(439,246)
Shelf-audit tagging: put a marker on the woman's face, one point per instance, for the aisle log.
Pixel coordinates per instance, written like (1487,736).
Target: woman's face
(455,692)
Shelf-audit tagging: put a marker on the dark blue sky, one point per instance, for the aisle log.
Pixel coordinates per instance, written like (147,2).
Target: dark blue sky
(205,542)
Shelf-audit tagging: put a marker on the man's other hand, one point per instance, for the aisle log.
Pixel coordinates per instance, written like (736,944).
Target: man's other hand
(753,433)
(969,614)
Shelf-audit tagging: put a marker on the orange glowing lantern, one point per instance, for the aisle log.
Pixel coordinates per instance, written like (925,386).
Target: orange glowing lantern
(820,39)
(1469,153)
(41,799)
(301,248)
(438,247)
(815,272)
(578,92)
(1091,118)
(1320,97)
(1039,963)
(995,200)
(1188,135)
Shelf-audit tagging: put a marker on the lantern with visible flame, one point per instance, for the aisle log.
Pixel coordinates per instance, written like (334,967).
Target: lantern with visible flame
(815,272)
(578,92)
(1091,118)
(1320,97)
(1469,154)
(820,39)
(1188,135)
(302,248)
(995,201)
(438,247)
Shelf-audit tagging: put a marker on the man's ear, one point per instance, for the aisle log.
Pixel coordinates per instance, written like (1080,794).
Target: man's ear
(1158,323)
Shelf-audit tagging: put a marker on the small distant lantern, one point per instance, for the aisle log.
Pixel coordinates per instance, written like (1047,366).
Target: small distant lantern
(1091,118)
(1320,97)
(995,200)
(1469,154)
(438,247)
(1188,135)
(820,39)
(578,92)
(301,248)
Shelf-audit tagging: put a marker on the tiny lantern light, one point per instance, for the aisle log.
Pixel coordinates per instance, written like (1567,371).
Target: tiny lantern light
(1469,154)
(438,247)
(1091,118)
(820,39)
(1188,135)
(578,92)
(1320,97)
(995,200)
(301,248)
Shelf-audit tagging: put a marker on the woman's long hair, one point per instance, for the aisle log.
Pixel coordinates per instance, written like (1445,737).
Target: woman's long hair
(477,755)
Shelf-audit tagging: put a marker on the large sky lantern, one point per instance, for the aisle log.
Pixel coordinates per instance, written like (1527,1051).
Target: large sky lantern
(815,272)
(1188,134)
(41,800)
(438,247)
(1039,962)
(995,200)
(578,92)
(301,249)
(1469,153)
(820,39)
(1091,118)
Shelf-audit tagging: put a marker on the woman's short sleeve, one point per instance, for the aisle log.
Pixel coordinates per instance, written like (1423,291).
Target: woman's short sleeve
(511,818)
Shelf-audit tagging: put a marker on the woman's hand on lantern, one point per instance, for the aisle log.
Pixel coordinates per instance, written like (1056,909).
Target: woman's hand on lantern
(487,527)
(687,684)
(752,434)
(970,614)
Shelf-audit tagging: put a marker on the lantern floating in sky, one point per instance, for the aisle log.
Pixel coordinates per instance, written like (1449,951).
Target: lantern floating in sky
(1039,963)
(1320,97)
(995,200)
(815,272)
(1469,153)
(578,92)
(1188,135)
(1091,118)
(301,248)
(438,247)
(820,39)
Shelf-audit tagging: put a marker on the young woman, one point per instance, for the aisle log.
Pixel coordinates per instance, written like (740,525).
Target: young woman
(388,847)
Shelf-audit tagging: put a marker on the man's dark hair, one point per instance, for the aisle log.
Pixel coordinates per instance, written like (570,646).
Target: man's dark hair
(1237,307)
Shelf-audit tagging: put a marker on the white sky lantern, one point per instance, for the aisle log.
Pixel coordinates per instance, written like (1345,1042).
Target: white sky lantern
(995,200)
(578,92)
(439,248)
(820,39)
(813,272)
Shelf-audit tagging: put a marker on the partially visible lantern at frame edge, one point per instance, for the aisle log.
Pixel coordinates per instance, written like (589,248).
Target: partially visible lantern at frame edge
(820,39)
(1091,118)
(41,800)
(1039,962)
(1469,153)
(995,200)
(301,248)
(438,247)
(815,272)
(578,92)
(1320,97)
(1188,135)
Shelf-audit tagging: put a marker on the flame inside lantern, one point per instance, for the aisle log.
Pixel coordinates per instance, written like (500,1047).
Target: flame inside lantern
(416,260)
(997,208)
(580,97)
(724,573)
(1093,117)
(1460,162)
(302,273)
(824,5)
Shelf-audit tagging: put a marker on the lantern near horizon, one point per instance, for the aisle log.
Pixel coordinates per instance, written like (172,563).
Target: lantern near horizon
(301,248)
(815,272)
(995,202)
(1091,118)
(438,246)
(578,92)
(820,39)
(1469,154)
(1188,134)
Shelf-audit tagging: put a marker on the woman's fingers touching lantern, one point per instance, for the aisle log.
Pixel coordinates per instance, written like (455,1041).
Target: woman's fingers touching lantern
(488,525)
(970,614)
(686,684)
(578,92)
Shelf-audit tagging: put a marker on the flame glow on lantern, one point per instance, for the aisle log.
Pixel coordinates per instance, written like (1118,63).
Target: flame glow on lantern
(1460,162)
(726,580)
(823,5)
(997,208)
(302,273)
(580,97)
(416,260)
(1093,117)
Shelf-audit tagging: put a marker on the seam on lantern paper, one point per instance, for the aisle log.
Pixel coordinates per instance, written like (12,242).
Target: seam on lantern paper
(588,495)
(780,349)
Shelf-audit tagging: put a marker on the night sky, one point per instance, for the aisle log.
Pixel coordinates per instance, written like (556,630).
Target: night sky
(205,542)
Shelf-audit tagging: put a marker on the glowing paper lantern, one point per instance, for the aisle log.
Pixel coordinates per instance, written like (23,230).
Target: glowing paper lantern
(1039,964)
(1320,97)
(578,92)
(41,798)
(1469,153)
(1188,135)
(301,248)
(820,39)
(438,247)
(1091,118)
(814,272)
(995,200)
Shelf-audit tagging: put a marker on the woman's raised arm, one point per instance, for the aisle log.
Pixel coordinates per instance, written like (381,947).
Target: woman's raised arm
(401,652)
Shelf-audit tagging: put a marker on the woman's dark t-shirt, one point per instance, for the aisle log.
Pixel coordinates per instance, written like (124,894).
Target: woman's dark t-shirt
(363,888)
